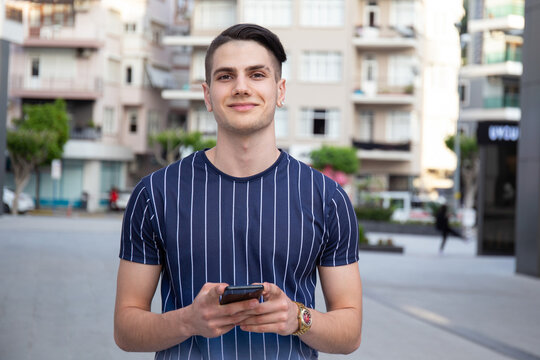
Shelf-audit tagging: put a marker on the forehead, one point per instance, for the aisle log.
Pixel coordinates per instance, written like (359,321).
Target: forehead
(240,54)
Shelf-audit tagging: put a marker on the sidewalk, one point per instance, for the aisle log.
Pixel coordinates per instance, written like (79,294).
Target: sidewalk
(58,288)
(422,305)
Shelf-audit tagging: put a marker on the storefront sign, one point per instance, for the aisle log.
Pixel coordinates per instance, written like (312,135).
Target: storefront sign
(497,132)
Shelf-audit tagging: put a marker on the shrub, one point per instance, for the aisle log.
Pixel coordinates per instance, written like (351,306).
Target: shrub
(362,239)
(374,213)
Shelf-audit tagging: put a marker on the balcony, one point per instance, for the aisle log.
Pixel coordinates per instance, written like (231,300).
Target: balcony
(387,38)
(506,23)
(375,94)
(505,101)
(491,114)
(58,36)
(504,8)
(86,133)
(11,25)
(508,68)
(382,151)
(187,40)
(187,92)
(77,88)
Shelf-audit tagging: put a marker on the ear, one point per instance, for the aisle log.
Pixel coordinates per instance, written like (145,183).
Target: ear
(281,89)
(207,101)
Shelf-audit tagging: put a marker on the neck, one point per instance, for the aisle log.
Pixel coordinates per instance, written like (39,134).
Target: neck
(243,156)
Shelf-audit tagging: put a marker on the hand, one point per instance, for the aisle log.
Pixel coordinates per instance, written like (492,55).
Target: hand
(277,314)
(210,319)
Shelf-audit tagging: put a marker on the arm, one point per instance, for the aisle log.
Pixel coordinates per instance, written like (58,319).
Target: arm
(136,328)
(336,331)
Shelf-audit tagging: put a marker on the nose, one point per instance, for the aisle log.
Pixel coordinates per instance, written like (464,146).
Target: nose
(241,87)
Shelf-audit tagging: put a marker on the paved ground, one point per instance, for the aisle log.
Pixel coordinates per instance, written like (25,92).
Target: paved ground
(58,282)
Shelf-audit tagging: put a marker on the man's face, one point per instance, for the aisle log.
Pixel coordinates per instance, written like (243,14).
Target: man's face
(243,90)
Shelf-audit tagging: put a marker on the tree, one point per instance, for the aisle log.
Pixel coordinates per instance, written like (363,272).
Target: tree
(469,165)
(335,162)
(38,138)
(169,145)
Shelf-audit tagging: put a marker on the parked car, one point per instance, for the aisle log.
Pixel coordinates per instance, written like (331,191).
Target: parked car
(26,203)
(123,198)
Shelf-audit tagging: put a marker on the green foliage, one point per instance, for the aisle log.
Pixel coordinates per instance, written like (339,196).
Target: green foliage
(362,239)
(51,117)
(172,142)
(339,158)
(374,213)
(29,145)
(467,144)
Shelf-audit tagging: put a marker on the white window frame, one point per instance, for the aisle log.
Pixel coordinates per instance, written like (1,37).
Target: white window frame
(367,126)
(281,122)
(399,11)
(322,13)
(322,66)
(400,70)
(398,126)
(275,13)
(110,123)
(205,121)
(331,117)
(376,14)
(210,15)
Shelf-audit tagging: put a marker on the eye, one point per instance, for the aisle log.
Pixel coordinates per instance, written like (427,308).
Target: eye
(224,77)
(258,75)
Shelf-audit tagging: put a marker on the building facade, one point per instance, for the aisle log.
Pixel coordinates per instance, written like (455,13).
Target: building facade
(490,110)
(106,60)
(379,75)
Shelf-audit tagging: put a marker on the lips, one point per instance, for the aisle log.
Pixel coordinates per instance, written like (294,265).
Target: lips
(242,106)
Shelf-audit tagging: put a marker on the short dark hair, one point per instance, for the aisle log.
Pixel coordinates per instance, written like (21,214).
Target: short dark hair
(253,32)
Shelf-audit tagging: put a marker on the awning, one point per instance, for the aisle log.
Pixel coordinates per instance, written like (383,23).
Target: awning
(160,79)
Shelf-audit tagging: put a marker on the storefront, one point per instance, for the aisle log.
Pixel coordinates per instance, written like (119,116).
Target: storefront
(497,143)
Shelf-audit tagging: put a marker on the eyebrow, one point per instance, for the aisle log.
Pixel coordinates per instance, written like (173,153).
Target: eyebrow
(233,70)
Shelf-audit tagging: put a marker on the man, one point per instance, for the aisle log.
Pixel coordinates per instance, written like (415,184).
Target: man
(242,212)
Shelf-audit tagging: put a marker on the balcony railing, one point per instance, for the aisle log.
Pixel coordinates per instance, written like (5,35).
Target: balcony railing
(87,133)
(69,88)
(508,100)
(511,54)
(505,8)
(363,145)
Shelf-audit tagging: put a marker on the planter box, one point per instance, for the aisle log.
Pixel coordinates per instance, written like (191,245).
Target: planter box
(396,228)
(381,248)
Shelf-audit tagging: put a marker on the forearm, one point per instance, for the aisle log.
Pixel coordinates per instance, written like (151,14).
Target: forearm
(136,329)
(337,331)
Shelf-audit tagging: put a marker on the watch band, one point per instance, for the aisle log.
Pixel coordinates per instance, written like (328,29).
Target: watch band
(304,319)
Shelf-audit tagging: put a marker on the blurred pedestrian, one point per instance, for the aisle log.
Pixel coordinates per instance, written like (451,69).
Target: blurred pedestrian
(442,224)
(113,199)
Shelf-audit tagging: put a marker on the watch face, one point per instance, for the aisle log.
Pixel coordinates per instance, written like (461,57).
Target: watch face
(306,317)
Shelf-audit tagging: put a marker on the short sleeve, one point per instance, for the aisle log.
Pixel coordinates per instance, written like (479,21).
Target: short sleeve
(341,238)
(139,242)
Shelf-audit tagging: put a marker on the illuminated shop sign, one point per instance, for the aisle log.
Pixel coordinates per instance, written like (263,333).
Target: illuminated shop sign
(497,132)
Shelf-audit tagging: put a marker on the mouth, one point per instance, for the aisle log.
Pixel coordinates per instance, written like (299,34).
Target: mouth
(242,106)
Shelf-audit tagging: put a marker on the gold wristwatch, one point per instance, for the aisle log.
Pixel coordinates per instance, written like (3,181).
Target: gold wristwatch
(304,319)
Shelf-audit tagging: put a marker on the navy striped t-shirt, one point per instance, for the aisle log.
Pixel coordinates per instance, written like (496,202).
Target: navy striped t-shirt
(203,225)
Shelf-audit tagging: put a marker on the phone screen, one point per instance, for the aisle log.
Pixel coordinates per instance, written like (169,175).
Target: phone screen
(241,293)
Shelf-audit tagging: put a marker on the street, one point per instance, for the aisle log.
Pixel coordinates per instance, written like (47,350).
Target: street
(59,276)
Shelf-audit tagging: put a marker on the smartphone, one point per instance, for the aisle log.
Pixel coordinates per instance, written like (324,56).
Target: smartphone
(240,293)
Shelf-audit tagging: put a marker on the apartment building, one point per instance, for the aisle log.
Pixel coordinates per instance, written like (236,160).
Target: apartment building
(379,75)
(490,110)
(106,60)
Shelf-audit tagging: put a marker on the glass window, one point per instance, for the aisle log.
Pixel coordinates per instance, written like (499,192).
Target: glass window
(205,121)
(398,126)
(402,13)
(113,71)
(319,66)
(323,13)
(35,67)
(111,175)
(130,27)
(281,122)
(401,70)
(214,14)
(153,121)
(320,122)
(110,125)
(132,121)
(367,125)
(268,12)
(129,75)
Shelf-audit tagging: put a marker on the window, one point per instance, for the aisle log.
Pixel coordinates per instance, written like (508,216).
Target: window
(398,126)
(111,175)
(281,122)
(130,28)
(371,15)
(367,125)
(323,13)
(324,67)
(214,14)
(113,71)
(401,70)
(402,13)
(320,122)
(129,75)
(198,71)
(35,67)
(204,121)
(132,116)
(153,121)
(110,125)
(157,33)
(268,12)
(286,68)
